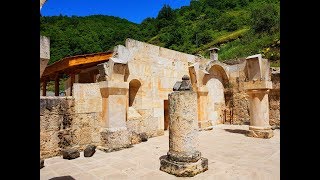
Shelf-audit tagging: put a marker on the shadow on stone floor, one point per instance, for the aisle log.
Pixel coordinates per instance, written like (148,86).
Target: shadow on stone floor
(63,178)
(239,131)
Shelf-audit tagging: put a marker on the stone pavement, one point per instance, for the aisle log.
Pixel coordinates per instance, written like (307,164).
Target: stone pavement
(231,155)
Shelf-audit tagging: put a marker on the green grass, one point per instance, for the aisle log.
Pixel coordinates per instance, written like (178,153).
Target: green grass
(221,38)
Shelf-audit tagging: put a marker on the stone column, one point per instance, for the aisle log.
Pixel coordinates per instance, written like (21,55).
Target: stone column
(114,92)
(183,158)
(258,88)
(202,94)
(44,53)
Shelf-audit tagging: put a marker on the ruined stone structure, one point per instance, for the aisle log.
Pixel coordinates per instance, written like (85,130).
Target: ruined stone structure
(258,87)
(125,91)
(44,53)
(183,157)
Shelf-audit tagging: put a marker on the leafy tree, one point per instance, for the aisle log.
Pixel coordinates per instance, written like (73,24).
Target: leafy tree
(165,16)
(265,18)
(238,27)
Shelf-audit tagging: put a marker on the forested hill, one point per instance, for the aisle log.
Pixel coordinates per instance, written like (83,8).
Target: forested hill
(238,27)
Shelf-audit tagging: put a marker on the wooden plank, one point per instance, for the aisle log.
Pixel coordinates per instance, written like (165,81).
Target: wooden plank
(58,66)
(87,60)
(71,62)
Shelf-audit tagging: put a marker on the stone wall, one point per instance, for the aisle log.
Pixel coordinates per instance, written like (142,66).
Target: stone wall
(56,117)
(274,99)
(237,104)
(156,70)
(70,121)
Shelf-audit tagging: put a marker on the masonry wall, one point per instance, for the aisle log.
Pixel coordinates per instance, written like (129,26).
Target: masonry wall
(157,69)
(274,100)
(70,121)
(238,105)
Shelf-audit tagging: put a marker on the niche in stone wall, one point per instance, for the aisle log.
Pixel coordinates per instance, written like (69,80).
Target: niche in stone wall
(134,95)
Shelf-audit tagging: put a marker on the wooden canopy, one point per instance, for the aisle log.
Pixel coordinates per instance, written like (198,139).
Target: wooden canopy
(74,64)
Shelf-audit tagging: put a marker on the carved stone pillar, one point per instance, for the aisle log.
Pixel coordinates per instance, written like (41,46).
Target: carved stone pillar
(183,157)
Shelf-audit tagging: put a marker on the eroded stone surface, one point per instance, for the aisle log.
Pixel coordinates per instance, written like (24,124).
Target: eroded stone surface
(183,159)
(266,134)
(70,153)
(135,138)
(115,138)
(183,169)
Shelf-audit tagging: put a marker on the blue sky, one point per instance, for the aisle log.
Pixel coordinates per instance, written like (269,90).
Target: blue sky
(133,10)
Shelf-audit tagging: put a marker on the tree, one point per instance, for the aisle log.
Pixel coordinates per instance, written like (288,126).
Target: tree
(265,18)
(165,17)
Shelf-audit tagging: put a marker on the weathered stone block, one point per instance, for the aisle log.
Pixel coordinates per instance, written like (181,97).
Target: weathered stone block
(89,151)
(115,138)
(135,138)
(70,153)
(183,169)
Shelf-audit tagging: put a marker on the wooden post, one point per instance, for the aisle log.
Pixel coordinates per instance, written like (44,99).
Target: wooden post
(56,86)
(72,78)
(44,88)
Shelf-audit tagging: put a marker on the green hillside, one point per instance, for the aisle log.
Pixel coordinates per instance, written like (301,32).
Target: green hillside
(238,27)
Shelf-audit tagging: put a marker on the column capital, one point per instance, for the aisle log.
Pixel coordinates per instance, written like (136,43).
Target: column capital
(257,85)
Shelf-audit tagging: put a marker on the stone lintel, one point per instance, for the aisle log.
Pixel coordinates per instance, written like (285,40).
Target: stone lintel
(257,85)
(183,169)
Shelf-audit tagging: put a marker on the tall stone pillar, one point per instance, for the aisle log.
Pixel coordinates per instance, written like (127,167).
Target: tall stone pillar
(44,53)
(258,87)
(183,158)
(202,94)
(114,92)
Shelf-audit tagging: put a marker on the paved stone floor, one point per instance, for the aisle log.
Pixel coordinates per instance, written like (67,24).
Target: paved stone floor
(231,155)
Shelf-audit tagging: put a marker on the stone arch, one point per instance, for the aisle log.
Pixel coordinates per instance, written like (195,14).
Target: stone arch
(216,82)
(134,87)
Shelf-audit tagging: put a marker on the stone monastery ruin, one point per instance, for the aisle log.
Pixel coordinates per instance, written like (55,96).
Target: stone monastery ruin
(114,97)
(119,98)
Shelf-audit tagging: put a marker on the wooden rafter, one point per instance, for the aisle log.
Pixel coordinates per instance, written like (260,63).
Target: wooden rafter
(74,64)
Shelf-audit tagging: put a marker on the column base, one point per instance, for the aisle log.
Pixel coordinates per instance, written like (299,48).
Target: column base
(265,134)
(205,125)
(183,169)
(113,139)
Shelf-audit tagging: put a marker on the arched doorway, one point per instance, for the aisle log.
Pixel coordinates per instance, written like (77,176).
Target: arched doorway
(216,81)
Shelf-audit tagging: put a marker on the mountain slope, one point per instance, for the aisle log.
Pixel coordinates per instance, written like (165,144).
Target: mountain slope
(238,27)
